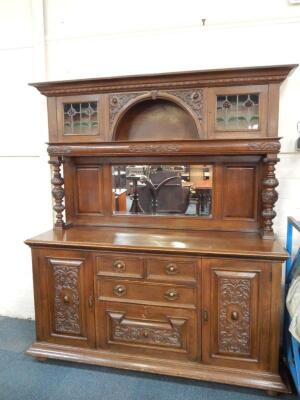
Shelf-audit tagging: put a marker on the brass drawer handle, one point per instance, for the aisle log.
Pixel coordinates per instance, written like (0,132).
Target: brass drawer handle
(119,266)
(119,290)
(171,294)
(171,269)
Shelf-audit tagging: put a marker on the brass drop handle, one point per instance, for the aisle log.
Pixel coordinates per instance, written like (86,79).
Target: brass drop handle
(205,315)
(120,290)
(171,294)
(234,315)
(171,269)
(119,266)
(66,299)
(90,301)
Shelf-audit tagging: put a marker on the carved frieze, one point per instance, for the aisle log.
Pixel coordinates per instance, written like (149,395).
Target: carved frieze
(66,298)
(58,150)
(154,148)
(265,146)
(163,334)
(234,315)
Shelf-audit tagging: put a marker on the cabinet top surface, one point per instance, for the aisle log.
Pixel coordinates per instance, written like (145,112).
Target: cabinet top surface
(163,241)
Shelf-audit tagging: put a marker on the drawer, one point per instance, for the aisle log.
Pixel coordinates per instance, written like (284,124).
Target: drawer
(171,269)
(118,264)
(155,331)
(137,292)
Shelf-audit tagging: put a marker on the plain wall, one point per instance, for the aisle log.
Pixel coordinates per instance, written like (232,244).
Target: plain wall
(68,39)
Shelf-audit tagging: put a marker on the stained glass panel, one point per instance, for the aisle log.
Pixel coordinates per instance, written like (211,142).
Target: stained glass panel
(237,112)
(81,118)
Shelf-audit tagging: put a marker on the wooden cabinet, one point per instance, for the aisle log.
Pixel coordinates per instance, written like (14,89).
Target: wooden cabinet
(162,257)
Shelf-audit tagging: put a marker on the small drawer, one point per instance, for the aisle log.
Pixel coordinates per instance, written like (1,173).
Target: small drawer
(119,265)
(171,269)
(131,291)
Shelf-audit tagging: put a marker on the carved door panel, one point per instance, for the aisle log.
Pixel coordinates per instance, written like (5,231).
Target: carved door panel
(156,331)
(68,297)
(236,313)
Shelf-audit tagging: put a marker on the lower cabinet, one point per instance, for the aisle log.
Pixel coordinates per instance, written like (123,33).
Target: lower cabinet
(220,312)
(236,313)
(64,297)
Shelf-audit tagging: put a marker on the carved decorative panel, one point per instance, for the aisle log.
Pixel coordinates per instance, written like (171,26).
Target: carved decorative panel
(146,332)
(234,315)
(117,101)
(193,98)
(66,307)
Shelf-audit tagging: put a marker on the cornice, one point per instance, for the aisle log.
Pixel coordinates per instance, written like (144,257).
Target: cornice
(208,78)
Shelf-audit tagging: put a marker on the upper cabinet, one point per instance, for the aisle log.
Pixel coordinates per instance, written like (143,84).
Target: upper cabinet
(226,104)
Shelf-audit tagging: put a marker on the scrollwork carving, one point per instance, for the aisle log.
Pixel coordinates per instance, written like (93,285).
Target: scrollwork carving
(234,315)
(66,299)
(134,331)
(154,148)
(58,150)
(193,98)
(117,101)
(264,146)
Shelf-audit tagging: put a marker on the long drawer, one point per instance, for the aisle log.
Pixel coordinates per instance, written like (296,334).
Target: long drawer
(152,330)
(146,292)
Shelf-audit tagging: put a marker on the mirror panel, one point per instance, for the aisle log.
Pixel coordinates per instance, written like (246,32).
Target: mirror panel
(162,189)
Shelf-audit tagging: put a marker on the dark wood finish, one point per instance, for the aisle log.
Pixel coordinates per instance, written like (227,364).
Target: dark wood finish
(236,303)
(189,296)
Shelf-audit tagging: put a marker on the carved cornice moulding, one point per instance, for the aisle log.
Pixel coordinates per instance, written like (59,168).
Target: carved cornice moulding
(199,147)
(181,80)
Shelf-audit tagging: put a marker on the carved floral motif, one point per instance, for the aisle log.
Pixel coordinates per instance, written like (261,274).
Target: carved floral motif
(66,300)
(193,98)
(234,315)
(154,148)
(117,102)
(58,150)
(133,331)
(265,146)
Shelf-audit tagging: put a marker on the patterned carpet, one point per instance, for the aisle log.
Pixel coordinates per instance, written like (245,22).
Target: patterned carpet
(22,378)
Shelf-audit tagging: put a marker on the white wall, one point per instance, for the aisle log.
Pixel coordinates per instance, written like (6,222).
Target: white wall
(67,39)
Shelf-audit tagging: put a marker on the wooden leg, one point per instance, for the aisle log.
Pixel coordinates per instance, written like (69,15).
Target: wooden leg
(41,359)
(272,393)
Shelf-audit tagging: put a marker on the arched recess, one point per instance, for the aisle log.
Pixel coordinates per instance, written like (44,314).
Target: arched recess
(152,119)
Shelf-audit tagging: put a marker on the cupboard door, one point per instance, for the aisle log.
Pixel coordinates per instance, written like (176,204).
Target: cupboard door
(68,304)
(236,313)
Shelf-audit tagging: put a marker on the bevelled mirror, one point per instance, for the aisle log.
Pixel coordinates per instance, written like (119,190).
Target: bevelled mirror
(162,189)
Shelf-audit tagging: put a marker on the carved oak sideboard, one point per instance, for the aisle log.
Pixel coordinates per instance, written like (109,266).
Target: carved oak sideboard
(162,257)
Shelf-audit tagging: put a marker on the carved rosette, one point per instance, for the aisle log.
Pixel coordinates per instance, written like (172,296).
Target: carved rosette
(269,196)
(58,192)
(164,334)
(234,316)
(66,299)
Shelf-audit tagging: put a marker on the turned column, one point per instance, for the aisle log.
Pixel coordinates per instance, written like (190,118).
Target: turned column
(58,192)
(269,196)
